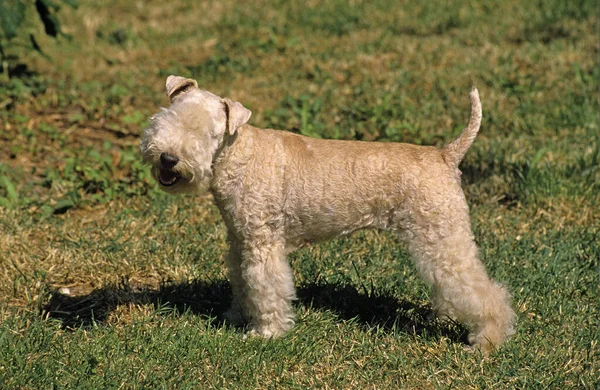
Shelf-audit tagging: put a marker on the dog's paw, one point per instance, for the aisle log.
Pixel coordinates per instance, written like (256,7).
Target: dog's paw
(264,332)
(269,330)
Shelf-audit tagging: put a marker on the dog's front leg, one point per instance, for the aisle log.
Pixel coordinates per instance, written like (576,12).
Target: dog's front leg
(235,314)
(268,285)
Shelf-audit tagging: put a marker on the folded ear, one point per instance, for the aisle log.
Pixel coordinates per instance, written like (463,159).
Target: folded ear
(177,85)
(237,115)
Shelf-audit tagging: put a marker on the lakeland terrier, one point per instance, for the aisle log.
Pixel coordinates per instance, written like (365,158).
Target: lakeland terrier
(277,191)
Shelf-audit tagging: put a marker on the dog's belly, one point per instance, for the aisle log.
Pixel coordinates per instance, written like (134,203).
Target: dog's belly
(318,221)
(315,228)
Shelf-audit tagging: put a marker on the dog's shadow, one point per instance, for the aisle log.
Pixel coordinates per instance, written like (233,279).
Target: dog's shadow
(210,299)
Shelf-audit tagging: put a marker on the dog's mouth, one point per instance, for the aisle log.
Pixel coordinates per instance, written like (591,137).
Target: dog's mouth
(168,178)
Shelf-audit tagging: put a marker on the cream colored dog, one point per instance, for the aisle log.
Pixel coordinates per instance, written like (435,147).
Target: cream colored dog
(277,191)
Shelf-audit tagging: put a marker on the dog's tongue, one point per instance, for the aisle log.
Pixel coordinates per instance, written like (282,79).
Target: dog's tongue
(167,177)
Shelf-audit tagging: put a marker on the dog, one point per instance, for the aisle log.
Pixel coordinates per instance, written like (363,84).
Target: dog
(278,191)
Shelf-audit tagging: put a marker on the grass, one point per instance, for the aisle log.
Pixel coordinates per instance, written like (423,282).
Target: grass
(106,282)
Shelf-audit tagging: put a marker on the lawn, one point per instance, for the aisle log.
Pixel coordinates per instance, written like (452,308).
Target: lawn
(106,282)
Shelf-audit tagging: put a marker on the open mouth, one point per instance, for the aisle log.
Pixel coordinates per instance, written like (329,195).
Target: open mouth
(168,178)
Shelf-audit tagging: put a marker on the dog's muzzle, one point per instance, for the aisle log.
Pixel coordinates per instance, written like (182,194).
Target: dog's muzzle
(167,177)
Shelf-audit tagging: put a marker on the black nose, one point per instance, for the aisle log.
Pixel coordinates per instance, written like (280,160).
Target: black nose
(168,161)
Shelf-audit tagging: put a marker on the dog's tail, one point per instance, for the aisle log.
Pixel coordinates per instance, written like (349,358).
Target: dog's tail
(454,152)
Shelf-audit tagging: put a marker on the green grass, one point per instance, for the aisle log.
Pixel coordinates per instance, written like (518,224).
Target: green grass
(108,283)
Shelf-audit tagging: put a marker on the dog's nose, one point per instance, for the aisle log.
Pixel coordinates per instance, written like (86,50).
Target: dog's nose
(168,161)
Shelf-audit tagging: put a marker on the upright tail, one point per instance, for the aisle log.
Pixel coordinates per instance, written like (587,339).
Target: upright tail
(454,152)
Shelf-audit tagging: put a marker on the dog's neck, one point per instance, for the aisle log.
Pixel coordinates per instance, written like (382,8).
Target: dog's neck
(234,151)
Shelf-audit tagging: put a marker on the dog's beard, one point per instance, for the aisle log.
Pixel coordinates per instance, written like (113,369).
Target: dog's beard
(201,182)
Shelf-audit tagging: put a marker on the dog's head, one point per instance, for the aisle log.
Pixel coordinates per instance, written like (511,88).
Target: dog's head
(182,140)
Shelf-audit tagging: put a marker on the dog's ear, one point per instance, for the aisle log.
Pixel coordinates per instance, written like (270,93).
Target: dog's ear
(177,85)
(237,115)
